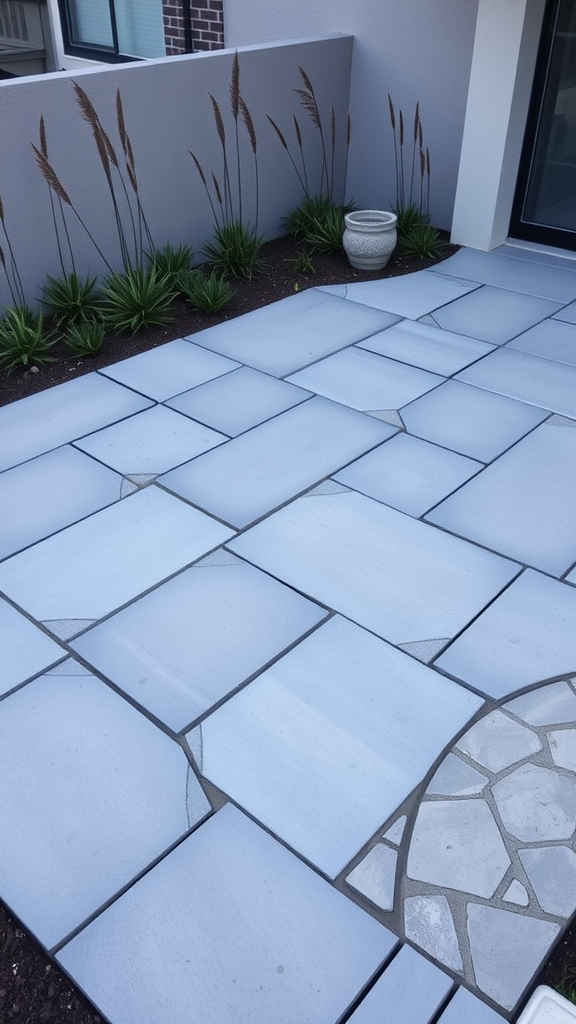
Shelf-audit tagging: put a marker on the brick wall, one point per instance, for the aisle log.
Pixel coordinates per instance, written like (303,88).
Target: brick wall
(196,25)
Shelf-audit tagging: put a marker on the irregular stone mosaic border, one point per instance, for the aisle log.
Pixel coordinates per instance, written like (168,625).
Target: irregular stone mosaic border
(480,872)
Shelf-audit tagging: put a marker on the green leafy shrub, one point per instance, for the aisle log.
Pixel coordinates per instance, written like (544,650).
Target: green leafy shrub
(206,292)
(170,261)
(567,986)
(235,250)
(85,338)
(23,339)
(409,217)
(70,298)
(302,263)
(138,298)
(422,241)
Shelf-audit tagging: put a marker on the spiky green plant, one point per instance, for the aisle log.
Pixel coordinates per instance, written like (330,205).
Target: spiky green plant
(567,985)
(70,298)
(412,169)
(85,338)
(135,299)
(235,250)
(302,262)
(208,293)
(170,261)
(23,339)
(422,242)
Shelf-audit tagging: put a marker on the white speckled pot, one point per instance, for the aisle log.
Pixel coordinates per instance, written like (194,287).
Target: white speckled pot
(369,238)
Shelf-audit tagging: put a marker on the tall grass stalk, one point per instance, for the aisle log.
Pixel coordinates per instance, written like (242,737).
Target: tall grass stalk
(412,170)
(9,265)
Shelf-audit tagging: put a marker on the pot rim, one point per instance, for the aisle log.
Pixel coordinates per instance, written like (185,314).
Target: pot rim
(370,219)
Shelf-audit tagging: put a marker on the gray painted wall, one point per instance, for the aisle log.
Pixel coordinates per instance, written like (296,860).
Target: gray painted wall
(167,112)
(413,49)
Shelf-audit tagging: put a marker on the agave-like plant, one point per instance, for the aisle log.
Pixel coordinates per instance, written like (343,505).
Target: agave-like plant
(71,298)
(23,339)
(137,298)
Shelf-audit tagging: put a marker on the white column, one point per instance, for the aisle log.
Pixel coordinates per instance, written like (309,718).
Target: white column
(505,49)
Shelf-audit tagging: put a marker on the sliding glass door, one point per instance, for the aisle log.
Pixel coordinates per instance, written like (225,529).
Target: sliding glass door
(545,202)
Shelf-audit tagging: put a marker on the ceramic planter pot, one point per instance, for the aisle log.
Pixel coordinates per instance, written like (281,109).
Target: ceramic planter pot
(369,238)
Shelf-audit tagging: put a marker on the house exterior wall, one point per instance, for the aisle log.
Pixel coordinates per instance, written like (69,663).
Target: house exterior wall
(167,113)
(416,50)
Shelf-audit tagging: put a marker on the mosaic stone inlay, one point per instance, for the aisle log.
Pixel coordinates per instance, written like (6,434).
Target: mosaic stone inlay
(480,873)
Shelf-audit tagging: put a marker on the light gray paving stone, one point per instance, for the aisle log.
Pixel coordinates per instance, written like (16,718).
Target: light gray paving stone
(50,492)
(396,576)
(56,416)
(152,442)
(527,634)
(530,379)
(563,748)
(409,992)
(327,742)
(519,275)
(102,562)
(494,315)
(497,741)
(90,793)
(552,874)
(263,468)
(456,843)
(506,950)
(551,339)
(408,474)
(169,369)
(26,650)
(427,347)
(466,1007)
(516,893)
(425,650)
(428,923)
(456,778)
(194,639)
(568,314)
(366,381)
(375,875)
(396,831)
(412,295)
(239,400)
(254,935)
(521,505)
(287,335)
(537,804)
(470,421)
(69,667)
(548,705)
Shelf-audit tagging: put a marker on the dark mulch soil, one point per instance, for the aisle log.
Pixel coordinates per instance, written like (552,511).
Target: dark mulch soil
(32,989)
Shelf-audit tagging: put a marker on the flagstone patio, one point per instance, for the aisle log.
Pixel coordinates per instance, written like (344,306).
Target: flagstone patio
(288,615)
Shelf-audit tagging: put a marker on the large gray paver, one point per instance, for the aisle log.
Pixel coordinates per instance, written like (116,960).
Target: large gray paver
(467,1007)
(51,492)
(522,505)
(526,941)
(97,565)
(528,378)
(503,271)
(287,335)
(191,641)
(551,339)
(261,469)
(326,743)
(494,315)
(366,381)
(26,650)
(90,793)
(427,347)
(408,473)
(552,874)
(396,576)
(170,369)
(409,992)
(150,443)
(58,415)
(527,634)
(411,296)
(239,400)
(468,420)
(252,935)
